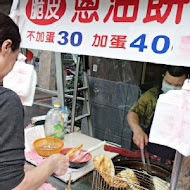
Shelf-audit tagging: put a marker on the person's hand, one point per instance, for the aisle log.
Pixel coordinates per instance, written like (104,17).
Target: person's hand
(140,138)
(28,167)
(61,163)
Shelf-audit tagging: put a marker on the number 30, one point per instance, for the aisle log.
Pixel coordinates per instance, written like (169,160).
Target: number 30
(75,39)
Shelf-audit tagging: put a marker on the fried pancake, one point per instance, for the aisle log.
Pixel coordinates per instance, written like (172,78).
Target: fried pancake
(130,177)
(105,167)
(74,150)
(119,183)
(125,178)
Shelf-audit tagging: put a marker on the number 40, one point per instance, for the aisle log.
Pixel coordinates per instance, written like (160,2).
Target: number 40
(140,44)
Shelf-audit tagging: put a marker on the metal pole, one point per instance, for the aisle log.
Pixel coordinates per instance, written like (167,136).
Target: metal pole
(86,72)
(176,170)
(143,73)
(15,5)
(59,78)
(87,97)
(75,95)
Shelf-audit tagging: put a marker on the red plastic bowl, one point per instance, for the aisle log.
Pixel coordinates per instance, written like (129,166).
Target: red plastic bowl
(78,163)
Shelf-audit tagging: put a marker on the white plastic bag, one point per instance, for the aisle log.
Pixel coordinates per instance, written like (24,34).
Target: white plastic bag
(171,123)
(22,80)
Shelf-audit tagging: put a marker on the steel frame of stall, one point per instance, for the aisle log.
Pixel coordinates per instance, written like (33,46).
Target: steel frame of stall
(61,95)
(61,92)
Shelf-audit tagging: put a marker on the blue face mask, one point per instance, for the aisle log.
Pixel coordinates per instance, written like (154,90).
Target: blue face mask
(166,87)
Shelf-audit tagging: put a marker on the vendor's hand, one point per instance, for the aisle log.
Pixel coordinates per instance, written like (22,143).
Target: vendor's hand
(61,164)
(140,138)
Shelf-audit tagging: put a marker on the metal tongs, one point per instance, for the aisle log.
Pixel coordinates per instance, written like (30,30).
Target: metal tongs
(146,164)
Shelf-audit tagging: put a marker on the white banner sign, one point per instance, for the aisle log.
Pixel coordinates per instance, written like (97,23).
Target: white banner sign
(142,30)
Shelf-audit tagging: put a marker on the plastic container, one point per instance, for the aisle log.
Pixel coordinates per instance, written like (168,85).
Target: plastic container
(47,146)
(53,118)
(64,115)
(59,131)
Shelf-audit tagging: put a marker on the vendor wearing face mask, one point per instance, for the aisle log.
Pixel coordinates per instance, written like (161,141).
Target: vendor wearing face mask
(141,114)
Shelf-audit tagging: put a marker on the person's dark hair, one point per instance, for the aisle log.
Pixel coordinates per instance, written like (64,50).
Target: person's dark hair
(9,30)
(177,71)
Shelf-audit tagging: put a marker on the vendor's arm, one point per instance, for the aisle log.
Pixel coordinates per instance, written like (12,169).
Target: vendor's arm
(143,109)
(34,178)
(140,138)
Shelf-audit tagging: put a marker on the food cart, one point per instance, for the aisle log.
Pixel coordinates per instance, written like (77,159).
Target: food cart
(138,30)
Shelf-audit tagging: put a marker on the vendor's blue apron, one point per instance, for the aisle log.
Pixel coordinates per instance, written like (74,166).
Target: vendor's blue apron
(159,150)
